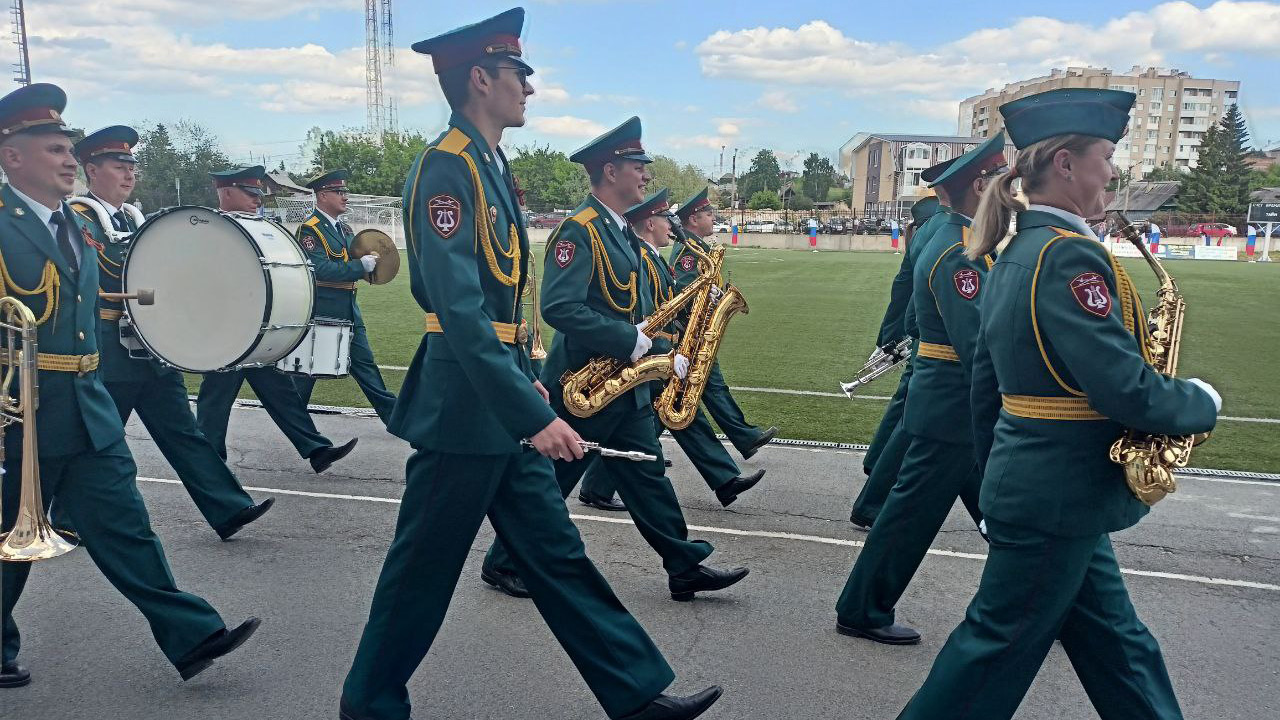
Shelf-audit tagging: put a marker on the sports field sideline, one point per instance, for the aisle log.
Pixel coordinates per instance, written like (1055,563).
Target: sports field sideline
(814,316)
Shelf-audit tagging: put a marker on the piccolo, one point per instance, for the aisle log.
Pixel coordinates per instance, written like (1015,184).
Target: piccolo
(587,447)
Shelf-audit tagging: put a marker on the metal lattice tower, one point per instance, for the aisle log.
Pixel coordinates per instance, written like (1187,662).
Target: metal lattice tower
(22,68)
(389,62)
(375,111)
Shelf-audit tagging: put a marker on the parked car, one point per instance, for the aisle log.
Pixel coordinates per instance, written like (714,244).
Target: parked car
(836,225)
(546,220)
(1213,230)
(721,226)
(760,226)
(872,226)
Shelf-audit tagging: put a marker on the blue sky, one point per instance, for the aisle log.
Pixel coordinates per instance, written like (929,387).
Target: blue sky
(796,77)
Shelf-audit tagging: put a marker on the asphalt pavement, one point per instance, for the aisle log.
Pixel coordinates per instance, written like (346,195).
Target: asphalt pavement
(1205,577)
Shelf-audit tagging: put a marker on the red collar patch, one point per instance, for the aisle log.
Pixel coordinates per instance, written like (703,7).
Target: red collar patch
(967,283)
(1091,292)
(564,253)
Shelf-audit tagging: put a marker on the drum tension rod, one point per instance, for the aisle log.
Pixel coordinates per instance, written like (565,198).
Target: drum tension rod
(144,296)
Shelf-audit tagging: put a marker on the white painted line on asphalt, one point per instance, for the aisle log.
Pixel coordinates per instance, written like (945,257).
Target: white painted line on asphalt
(1264,518)
(818,539)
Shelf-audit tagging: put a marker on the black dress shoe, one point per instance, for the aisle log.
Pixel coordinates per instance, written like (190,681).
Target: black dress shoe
(244,517)
(760,442)
(861,523)
(894,634)
(346,713)
(666,463)
(735,487)
(668,707)
(702,579)
(507,582)
(612,503)
(325,457)
(13,675)
(214,647)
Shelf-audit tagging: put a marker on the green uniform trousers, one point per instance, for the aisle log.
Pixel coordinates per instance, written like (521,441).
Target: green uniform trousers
(364,370)
(643,486)
(720,404)
(98,493)
(1037,587)
(884,475)
(445,499)
(279,398)
(162,406)
(934,474)
(891,419)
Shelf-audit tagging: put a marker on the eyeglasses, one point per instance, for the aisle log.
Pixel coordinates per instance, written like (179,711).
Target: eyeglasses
(342,193)
(522,74)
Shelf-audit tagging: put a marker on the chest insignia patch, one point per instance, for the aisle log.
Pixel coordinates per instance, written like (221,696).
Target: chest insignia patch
(493,214)
(687,262)
(1092,294)
(564,253)
(967,282)
(444,212)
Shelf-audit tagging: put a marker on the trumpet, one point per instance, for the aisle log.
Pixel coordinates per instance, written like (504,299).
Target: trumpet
(878,364)
(32,537)
(587,447)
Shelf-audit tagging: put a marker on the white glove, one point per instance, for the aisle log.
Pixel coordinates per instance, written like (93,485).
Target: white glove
(643,343)
(369,262)
(715,293)
(681,366)
(1217,399)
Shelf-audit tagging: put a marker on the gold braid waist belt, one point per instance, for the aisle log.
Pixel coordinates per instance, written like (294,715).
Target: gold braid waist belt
(79,364)
(109,314)
(1050,408)
(937,352)
(509,333)
(336,285)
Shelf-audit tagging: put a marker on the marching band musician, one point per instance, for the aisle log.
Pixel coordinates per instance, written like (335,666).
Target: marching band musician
(157,392)
(47,262)
(326,241)
(698,220)
(594,294)
(469,398)
(939,464)
(1058,374)
(927,216)
(241,190)
(652,223)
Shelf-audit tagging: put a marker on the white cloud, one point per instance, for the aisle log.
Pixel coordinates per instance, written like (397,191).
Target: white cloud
(933,109)
(567,126)
(778,100)
(729,129)
(552,94)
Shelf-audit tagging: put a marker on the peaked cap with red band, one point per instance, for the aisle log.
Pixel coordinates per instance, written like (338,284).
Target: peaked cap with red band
(655,204)
(113,143)
(34,108)
(620,143)
(986,159)
(332,180)
(499,36)
(699,201)
(252,180)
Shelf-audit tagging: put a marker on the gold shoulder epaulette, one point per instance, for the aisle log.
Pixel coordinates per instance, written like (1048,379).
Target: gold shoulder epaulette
(83,210)
(454,142)
(586,216)
(312,221)
(1068,233)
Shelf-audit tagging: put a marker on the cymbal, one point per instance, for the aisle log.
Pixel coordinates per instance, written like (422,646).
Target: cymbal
(375,241)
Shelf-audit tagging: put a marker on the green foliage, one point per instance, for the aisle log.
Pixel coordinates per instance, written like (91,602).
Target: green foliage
(764,174)
(1164,173)
(819,176)
(1265,178)
(837,194)
(800,201)
(1220,181)
(764,200)
(681,180)
(548,179)
(186,155)
(377,168)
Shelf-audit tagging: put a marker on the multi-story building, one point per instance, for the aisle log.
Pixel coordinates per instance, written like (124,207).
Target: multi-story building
(885,168)
(1167,123)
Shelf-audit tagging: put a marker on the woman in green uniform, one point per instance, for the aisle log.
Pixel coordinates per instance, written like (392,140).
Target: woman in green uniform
(1058,374)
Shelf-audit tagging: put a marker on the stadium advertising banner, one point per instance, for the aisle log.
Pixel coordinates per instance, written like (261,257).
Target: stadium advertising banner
(1216,253)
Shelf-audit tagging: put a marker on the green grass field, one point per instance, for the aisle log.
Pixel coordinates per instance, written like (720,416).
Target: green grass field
(813,318)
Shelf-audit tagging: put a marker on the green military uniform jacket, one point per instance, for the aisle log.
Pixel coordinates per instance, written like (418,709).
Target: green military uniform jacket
(467,391)
(945,295)
(898,322)
(660,282)
(75,413)
(1061,324)
(684,264)
(336,273)
(594,292)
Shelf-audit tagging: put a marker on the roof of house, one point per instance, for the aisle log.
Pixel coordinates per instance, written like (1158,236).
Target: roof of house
(1145,196)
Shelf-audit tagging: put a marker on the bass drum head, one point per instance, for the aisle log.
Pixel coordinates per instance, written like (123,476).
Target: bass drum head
(210,289)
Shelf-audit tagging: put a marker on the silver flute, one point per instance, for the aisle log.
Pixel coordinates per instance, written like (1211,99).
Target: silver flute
(588,447)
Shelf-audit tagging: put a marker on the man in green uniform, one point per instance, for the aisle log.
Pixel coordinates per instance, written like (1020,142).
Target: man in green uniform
(927,216)
(652,223)
(469,399)
(698,220)
(1059,373)
(48,263)
(939,464)
(594,294)
(241,190)
(157,392)
(327,241)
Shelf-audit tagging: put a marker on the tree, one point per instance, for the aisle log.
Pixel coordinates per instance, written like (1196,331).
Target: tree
(800,201)
(548,179)
(186,156)
(837,194)
(377,167)
(681,180)
(764,200)
(1265,178)
(1164,173)
(764,174)
(818,176)
(1219,183)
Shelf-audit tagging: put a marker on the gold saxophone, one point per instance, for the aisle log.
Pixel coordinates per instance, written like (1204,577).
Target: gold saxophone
(589,389)
(1149,460)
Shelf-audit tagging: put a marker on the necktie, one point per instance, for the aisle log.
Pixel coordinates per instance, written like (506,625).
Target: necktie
(119,221)
(64,238)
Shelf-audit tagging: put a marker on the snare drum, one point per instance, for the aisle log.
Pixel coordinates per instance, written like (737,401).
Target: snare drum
(232,291)
(325,352)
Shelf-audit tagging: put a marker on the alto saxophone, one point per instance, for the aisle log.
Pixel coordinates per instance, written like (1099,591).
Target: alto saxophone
(1149,460)
(589,389)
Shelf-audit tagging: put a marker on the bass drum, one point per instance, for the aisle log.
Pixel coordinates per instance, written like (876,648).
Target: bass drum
(232,291)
